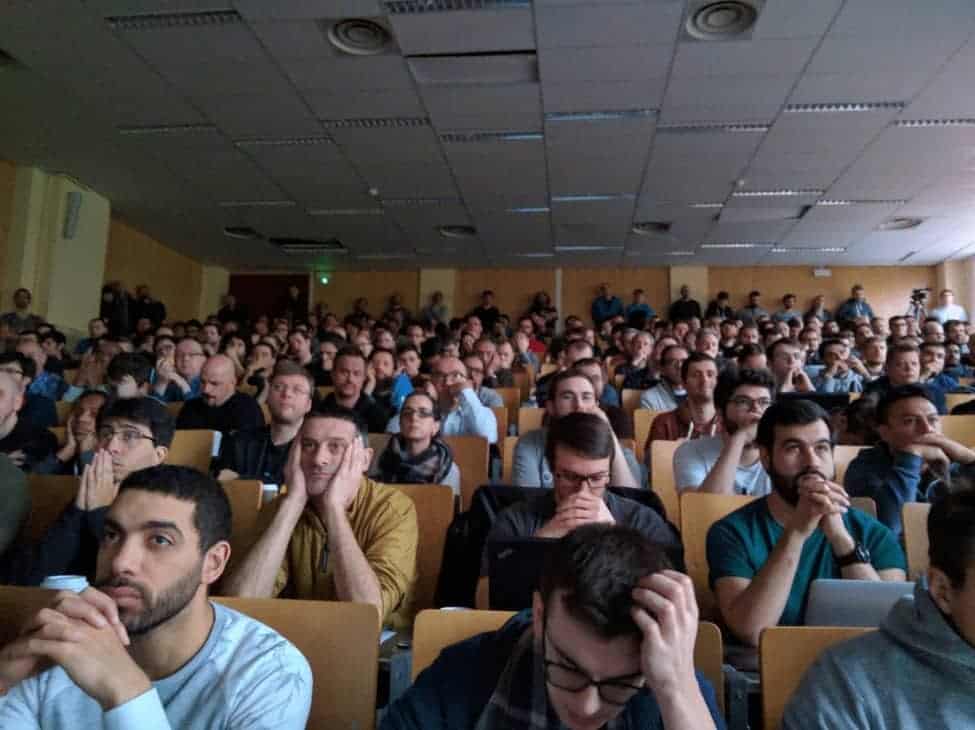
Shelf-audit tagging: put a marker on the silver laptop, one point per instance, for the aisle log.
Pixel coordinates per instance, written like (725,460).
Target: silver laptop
(853,602)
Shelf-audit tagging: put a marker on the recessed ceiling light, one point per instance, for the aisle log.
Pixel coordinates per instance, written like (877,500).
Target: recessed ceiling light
(734,245)
(857,106)
(680,253)
(807,249)
(705,205)
(359,36)
(786,193)
(587,247)
(346,211)
(935,123)
(901,223)
(457,231)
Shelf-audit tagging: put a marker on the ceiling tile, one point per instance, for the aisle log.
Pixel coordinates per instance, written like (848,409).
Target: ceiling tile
(465,31)
(603,24)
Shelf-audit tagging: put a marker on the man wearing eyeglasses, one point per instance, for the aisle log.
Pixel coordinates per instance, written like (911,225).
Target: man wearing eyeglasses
(261,453)
(583,454)
(179,379)
(729,463)
(609,643)
(132,434)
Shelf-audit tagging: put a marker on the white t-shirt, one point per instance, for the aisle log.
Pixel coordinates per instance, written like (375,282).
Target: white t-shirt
(694,459)
(245,677)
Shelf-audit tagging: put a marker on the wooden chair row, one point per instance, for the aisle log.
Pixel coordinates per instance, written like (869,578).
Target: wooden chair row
(339,640)
(64,408)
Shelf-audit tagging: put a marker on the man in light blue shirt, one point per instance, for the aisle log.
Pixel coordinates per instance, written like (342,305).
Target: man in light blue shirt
(145,649)
(837,376)
(854,307)
(464,414)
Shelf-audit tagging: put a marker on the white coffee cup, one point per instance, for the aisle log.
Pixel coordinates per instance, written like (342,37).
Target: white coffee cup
(74,583)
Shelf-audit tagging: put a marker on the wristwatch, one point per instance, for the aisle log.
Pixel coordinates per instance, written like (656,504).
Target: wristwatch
(859,555)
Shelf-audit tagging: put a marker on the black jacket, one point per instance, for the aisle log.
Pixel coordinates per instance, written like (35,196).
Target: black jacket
(251,454)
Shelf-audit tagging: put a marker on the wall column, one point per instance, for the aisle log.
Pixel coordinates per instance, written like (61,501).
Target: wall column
(65,275)
(214,283)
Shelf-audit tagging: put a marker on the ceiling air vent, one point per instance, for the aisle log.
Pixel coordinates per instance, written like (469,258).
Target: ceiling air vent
(903,223)
(723,20)
(164,21)
(452,231)
(245,233)
(358,36)
(308,246)
(418,7)
(652,228)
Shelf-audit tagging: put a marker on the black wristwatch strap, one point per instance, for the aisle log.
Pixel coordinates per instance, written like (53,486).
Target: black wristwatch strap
(859,554)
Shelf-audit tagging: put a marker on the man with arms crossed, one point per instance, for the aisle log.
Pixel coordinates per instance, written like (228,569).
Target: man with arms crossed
(609,643)
(146,649)
(335,535)
(764,556)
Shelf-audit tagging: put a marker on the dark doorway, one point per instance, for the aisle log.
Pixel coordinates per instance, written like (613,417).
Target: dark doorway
(268,294)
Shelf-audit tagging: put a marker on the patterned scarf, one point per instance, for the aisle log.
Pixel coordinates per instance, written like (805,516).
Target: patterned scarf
(520,699)
(431,466)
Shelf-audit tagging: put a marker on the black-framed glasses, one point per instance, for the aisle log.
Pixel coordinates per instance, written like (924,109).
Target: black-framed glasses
(128,436)
(743,401)
(613,691)
(596,479)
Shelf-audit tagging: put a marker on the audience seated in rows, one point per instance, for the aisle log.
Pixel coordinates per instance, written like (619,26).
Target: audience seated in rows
(335,535)
(695,416)
(916,670)
(144,646)
(220,406)
(764,556)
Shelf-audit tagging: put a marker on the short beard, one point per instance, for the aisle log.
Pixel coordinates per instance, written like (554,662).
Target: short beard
(170,603)
(788,488)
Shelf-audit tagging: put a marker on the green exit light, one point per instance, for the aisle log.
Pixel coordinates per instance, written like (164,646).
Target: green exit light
(324,279)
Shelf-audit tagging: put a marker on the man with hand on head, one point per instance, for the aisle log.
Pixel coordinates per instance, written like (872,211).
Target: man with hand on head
(764,556)
(220,407)
(838,375)
(81,435)
(25,444)
(915,461)
(335,535)
(145,649)
(261,453)
(609,643)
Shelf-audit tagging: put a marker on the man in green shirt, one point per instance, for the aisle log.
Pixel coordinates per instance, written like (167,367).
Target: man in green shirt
(764,557)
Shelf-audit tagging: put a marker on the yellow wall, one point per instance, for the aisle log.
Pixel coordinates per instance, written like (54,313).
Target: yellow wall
(887,287)
(438,280)
(8,179)
(135,258)
(696,278)
(344,287)
(513,289)
(580,286)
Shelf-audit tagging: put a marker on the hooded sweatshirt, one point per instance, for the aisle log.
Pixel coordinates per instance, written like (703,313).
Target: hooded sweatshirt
(915,673)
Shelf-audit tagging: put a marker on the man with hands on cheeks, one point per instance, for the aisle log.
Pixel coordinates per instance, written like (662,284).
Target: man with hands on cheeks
(914,462)
(145,649)
(335,535)
(179,379)
(764,557)
(608,643)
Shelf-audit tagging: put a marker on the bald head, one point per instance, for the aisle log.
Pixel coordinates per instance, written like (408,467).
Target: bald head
(11,397)
(218,380)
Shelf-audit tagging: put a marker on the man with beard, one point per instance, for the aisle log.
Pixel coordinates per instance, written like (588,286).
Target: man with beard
(146,648)
(764,556)
(220,407)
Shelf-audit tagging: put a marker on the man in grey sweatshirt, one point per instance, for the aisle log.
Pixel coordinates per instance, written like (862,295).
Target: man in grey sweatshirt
(917,671)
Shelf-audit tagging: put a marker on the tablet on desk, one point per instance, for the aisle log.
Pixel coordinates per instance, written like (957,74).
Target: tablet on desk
(866,603)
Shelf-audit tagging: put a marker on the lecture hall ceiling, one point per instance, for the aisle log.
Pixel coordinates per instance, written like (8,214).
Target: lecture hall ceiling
(507,132)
